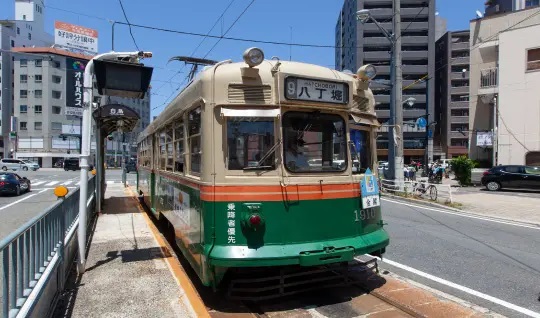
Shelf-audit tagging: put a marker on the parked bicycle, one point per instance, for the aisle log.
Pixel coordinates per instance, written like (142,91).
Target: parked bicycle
(420,189)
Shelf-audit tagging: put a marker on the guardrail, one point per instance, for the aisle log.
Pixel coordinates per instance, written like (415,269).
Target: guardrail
(37,251)
(441,193)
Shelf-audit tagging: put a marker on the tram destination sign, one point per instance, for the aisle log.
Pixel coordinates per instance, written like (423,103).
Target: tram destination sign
(297,88)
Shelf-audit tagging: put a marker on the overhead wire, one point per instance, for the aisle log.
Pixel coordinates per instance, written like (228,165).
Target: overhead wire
(209,51)
(200,43)
(129,24)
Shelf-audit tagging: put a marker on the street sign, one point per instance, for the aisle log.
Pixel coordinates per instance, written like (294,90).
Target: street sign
(430,133)
(13,134)
(421,122)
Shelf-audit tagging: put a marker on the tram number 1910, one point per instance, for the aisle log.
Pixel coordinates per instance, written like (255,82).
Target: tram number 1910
(364,215)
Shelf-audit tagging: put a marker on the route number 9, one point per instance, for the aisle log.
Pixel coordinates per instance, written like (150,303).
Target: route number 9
(291,88)
(364,215)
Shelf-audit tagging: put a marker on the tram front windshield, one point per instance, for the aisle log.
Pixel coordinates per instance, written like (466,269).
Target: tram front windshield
(314,142)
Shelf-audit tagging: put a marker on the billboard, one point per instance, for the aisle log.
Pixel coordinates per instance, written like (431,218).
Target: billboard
(484,139)
(70,129)
(74,86)
(74,37)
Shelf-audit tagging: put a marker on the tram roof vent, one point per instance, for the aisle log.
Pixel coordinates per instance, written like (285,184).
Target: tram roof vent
(361,103)
(239,93)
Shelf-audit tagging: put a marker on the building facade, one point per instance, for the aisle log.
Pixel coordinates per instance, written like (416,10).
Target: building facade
(47,88)
(25,30)
(503,105)
(503,6)
(358,44)
(452,92)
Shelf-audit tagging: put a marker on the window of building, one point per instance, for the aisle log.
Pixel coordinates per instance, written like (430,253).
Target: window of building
(23,78)
(56,64)
(248,140)
(12,43)
(24,17)
(18,30)
(23,93)
(23,62)
(194,138)
(56,79)
(56,110)
(38,63)
(38,93)
(57,94)
(533,59)
(23,109)
(22,125)
(531,3)
(29,36)
(38,109)
(38,78)
(532,158)
(56,126)
(37,125)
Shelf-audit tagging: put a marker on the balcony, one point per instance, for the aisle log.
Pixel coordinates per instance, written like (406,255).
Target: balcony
(460,104)
(458,135)
(489,81)
(376,56)
(414,55)
(464,60)
(410,40)
(375,85)
(459,75)
(459,90)
(376,41)
(385,98)
(459,46)
(415,26)
(459,119)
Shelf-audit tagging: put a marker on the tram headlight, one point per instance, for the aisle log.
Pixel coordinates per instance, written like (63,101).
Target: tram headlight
(367,72)
(253,56)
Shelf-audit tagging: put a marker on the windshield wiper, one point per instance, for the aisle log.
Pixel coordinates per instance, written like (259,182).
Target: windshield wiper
(266,155)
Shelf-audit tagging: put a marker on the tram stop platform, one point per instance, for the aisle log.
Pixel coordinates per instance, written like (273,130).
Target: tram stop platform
(131,271)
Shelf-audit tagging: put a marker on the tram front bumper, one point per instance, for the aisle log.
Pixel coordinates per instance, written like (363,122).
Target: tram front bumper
(303,254)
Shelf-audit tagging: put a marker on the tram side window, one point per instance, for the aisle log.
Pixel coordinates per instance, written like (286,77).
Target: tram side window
(194,138)
(179,147)
(170,151)
(162,151)
(249,140)
(314,142)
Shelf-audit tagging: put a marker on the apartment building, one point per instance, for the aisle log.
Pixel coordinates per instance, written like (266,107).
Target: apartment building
(452,92)
(358,44)
(503,6)
(504,94)
(25,30)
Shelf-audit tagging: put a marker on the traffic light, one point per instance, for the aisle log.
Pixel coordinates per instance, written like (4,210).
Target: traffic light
(110,137)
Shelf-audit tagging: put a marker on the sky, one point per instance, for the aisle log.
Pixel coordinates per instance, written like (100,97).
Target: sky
(296,21)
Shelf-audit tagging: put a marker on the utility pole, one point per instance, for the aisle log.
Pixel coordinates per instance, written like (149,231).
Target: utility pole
(395,149)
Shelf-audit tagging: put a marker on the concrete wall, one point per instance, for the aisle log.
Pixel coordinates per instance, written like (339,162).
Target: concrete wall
(519,96)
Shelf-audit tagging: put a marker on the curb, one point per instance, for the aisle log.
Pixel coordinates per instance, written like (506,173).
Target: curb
(442,206)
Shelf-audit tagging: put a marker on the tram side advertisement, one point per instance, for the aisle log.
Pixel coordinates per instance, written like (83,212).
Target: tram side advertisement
(370,191)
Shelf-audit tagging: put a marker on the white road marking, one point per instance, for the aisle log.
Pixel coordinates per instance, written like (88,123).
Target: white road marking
(110,181)
(467,290)
(37,183)
(52,183)
(465,214)
(18,201)
(67,182)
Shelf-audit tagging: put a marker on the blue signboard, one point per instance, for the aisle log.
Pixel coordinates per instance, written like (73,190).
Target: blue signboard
(421,122)
(369,190)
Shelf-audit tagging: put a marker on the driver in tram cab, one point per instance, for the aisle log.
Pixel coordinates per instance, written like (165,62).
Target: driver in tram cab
(294,158)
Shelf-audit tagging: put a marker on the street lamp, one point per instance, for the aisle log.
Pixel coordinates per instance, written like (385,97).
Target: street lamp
(395,148)
(410,101)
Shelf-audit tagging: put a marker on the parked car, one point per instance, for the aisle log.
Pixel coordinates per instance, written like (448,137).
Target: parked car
(71,164)
(512,177)
(13,183)
(131,165)
(17,164)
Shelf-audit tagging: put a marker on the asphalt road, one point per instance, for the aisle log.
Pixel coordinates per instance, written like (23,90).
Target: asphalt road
(494,259)
(16,211)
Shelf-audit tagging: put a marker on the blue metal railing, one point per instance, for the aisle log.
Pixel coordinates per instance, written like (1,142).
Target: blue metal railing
(28,251)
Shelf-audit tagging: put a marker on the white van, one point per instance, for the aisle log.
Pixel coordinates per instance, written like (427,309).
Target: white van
(17,164)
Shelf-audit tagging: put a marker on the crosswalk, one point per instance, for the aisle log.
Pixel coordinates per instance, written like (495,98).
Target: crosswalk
(67,183)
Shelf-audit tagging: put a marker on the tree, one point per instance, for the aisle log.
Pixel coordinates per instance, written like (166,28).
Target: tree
(462,167)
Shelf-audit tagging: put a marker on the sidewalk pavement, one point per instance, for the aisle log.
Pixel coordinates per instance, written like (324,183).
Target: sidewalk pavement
(127,272)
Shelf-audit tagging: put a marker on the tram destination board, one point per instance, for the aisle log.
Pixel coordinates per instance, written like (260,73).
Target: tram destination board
(308,89)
